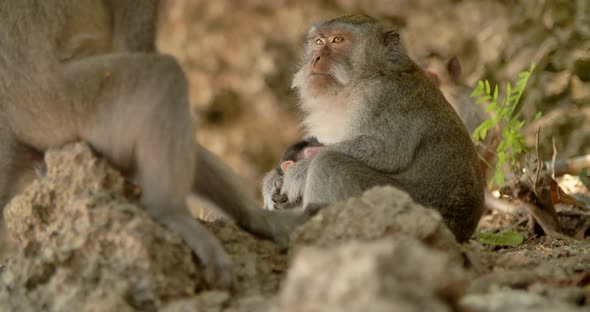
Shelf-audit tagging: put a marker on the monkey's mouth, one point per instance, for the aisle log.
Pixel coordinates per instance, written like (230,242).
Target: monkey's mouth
(315,74)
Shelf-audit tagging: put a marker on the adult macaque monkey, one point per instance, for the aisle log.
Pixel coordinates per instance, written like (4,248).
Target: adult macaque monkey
(383,121)
(88,70)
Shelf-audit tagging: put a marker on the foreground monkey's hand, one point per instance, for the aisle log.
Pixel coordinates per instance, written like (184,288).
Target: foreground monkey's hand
(294,181)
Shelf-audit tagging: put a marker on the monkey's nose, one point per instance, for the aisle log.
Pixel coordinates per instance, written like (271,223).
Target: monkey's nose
(315,60)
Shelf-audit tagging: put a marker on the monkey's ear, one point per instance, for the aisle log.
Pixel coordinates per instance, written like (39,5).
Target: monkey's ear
(390,38)
(454,68)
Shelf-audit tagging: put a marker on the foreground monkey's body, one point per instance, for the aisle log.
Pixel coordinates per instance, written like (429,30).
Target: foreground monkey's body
(384,122)
(88,70)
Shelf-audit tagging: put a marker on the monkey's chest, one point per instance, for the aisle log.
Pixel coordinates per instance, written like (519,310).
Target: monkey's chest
(328,126)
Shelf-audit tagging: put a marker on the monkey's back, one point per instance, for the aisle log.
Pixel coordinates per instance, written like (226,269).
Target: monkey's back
(445,172)
(37,39)
(37,35)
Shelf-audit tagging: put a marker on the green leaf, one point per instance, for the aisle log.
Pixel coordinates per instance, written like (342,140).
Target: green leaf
(491,107)
(538,115)
(483,99)
(478,90)
(505,238)
(504,115)
(508,88)
(495,96)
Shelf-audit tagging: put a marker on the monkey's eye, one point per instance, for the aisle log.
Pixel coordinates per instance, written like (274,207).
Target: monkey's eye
(337,39)
(319,41)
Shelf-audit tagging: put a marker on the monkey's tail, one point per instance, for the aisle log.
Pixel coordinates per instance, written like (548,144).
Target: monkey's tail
(219,184)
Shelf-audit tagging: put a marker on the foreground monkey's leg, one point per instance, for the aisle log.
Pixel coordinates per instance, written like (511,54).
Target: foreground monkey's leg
(17,166)
(8,161)
(136,113)
(217,182)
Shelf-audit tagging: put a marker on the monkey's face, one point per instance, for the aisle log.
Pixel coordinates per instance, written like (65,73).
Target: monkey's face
(325,68)
(328,50)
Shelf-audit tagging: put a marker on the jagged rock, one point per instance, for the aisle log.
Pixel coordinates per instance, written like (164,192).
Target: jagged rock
(515,300)
(379,212)
(392,274)
(580,91)
(582,65)
(211,301)
(88,246)
(557,83)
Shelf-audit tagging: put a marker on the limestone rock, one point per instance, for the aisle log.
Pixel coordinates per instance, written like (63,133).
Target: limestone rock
(557,84)
(582,64)
(391,274)
(515,300)
(381,211)
(87,247)
(580,91)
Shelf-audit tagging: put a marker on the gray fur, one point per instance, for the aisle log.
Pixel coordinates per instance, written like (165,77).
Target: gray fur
(88,70)
(400,131)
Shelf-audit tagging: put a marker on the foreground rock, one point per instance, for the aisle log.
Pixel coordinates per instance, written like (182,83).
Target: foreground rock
(88,246)
(396,273)
(380,212)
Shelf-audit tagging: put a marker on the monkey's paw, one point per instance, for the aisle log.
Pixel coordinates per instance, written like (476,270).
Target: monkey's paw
(217,266)
(294,182)
(271,193)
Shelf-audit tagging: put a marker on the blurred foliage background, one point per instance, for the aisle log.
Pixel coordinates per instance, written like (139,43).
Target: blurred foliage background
(240,55)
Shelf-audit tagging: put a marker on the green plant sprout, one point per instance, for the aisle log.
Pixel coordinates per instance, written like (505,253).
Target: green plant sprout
(512,143)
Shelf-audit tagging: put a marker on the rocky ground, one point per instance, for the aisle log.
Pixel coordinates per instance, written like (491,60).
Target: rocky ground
(86,245)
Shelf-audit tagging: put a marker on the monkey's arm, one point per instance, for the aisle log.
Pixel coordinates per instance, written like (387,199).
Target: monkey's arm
(134,24)
(294,181)
(389,155)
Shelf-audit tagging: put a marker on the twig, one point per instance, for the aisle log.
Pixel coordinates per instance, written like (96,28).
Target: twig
(538,163)
(553,157)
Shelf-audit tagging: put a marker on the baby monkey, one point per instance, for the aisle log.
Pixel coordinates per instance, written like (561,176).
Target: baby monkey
(383,121)
(304,149)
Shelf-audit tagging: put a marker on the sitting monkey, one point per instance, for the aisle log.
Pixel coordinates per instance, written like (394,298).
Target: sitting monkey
(383,121)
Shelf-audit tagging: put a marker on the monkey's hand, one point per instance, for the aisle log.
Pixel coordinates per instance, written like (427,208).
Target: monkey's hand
(271,192)
(294,181)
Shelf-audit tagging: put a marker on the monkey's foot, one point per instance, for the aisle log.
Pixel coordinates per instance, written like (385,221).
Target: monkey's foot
(216,263)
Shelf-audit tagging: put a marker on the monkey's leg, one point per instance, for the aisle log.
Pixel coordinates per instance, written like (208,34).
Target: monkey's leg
(334,177)
(7,164)
(134,110)
(217,182)
(17,164)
